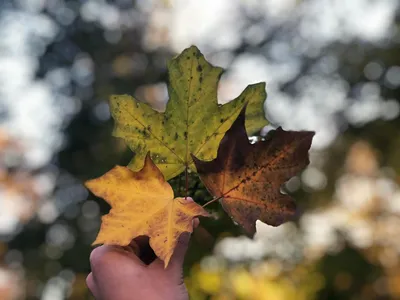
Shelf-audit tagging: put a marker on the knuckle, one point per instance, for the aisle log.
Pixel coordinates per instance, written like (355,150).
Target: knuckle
(89,281)
(98,256)
(90,284)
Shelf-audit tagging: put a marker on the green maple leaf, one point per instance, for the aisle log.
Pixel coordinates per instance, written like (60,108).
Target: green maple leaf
(193,122)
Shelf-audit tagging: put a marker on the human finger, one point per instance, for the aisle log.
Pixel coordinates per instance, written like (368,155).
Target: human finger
(196,223)
(91,284)
(181,248)
(106,256)
(176,262)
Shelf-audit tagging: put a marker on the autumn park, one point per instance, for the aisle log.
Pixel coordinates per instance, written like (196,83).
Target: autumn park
(200,150)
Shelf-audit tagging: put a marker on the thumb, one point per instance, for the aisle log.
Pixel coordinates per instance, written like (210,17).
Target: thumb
(178,257)
(176,262)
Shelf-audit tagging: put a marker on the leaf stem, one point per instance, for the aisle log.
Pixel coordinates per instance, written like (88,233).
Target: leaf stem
(211,201)
(180,184)
(187,182)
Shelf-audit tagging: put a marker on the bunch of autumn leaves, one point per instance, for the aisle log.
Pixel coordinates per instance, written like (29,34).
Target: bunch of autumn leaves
(196,133)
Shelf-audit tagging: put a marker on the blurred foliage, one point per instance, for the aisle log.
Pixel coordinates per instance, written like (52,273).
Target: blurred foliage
(258,283)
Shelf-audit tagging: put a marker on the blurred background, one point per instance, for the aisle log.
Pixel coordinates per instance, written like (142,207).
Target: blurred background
(330,66)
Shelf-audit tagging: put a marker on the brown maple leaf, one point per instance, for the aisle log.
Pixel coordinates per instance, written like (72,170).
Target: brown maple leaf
(247,178)
(142,203)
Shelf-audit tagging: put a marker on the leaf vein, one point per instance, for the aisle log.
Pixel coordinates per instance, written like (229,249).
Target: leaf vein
(155,137)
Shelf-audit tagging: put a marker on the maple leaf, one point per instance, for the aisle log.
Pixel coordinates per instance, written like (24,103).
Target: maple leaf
(248,177)
(193,121)
(142,203)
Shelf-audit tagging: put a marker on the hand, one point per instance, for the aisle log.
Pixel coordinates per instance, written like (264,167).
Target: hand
(119,274)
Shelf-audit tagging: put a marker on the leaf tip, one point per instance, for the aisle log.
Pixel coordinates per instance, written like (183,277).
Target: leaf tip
(166,262)
(250,230)
(196,161)
(150,168)
(113,98)
(97,242)
(147,159)
(91,184)
(88,183)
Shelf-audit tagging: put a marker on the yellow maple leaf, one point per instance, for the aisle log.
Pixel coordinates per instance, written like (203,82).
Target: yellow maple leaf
(142,203)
